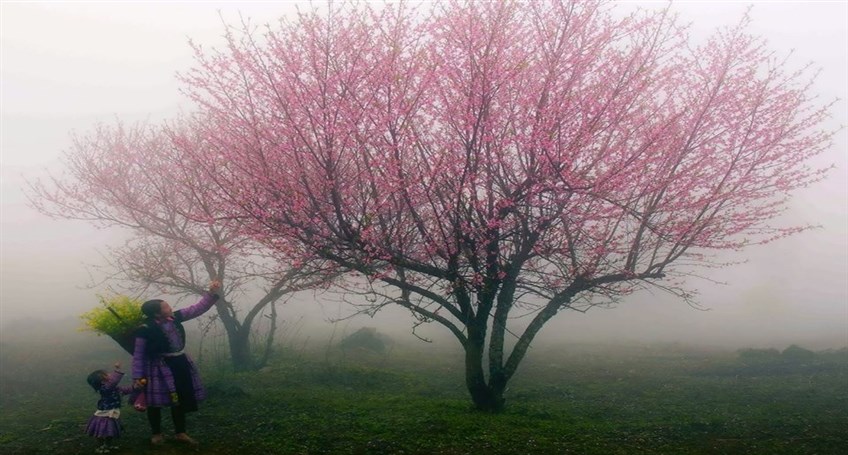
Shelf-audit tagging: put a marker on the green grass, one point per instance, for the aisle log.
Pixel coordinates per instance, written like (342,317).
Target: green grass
(582,400)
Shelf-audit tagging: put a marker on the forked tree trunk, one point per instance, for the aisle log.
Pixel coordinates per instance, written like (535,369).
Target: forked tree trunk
(487,397)
(238,336)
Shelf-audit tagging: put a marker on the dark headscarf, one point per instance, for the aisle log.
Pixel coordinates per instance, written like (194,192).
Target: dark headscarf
(151,308)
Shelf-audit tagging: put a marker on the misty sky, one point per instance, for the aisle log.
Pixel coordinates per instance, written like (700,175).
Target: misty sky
(68,65)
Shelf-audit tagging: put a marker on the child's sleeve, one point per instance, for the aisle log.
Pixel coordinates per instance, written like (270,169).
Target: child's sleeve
(125,389)
(198,308)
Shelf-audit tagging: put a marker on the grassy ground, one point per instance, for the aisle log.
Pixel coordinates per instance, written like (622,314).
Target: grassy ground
(583,400)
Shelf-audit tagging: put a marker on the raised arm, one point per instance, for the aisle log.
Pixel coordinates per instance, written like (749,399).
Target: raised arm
(113,379)
(204,304)
(199,308)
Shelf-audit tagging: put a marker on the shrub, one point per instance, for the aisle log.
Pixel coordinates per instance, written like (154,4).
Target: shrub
(365,338)
(796,353)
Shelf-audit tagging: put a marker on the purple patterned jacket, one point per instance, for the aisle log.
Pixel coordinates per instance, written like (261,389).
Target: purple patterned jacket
(170,328)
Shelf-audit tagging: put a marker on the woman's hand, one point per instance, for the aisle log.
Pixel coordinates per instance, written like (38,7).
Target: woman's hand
(214,287)
(139,383)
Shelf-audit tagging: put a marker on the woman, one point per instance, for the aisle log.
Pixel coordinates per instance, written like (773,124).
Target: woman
(168,375)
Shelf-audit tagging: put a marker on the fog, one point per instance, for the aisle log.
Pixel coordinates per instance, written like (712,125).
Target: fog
(67,65)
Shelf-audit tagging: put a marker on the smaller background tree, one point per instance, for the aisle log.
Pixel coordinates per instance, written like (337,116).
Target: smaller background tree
(139,178)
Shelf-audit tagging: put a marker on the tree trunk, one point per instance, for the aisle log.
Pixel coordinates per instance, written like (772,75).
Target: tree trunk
(238,337)
(486,397)
(240,352)
(269,340)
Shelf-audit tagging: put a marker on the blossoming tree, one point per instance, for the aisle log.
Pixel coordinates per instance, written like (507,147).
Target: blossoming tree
(489,159)
(140,178)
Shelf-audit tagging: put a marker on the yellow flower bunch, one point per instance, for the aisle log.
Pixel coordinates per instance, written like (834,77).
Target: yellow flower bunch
(114,316)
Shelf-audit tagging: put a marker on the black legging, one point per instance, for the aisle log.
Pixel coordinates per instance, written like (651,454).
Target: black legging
(154,416)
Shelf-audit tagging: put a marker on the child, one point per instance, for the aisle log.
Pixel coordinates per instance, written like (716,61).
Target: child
(105,424)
